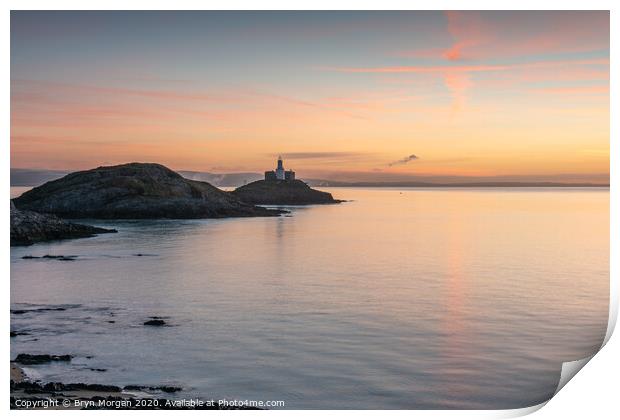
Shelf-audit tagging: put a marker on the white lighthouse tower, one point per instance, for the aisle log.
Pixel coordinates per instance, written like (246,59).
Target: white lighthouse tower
(280,169)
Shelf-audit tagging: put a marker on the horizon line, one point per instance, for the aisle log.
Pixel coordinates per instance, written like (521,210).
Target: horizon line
(421,181)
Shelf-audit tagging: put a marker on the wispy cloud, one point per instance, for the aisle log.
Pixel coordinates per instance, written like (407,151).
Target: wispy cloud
(57,104)
(573,90)
(420,69)
(471,68)
(320,155)
(458,83)
(404,160)
(458,78)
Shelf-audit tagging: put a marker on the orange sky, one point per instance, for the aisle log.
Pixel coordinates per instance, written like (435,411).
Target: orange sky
(339,95)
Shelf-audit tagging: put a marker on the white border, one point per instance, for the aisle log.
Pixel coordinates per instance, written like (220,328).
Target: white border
(593,394)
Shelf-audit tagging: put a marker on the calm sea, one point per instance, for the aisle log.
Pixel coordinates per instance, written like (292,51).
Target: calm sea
(400,298)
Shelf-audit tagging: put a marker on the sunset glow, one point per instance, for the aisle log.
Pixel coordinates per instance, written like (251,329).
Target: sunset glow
(340,95)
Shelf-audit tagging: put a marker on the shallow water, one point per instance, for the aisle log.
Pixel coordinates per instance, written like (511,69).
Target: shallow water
(401,298)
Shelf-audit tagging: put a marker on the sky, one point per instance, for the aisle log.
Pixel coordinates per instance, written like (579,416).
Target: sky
(352,96)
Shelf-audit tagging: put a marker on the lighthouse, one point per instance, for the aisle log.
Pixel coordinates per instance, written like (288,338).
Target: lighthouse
(279,174)
(280,169)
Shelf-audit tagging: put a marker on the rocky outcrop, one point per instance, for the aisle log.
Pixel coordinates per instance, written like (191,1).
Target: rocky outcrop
(135,191)
(155,322)
(281,192)
(28,227)
(37,359)
(38,388)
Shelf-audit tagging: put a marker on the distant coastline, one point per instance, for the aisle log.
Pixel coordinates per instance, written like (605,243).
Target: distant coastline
(34,177)
(498,184)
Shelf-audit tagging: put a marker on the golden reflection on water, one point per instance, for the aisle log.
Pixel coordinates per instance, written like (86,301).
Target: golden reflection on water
(455,329)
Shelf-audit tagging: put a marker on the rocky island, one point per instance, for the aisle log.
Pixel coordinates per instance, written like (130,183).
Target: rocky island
(135,191)
(28,227)
(282,192)
(281,188)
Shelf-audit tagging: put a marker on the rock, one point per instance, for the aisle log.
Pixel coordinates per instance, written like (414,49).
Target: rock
(134,191)
(280,192)
(23,311)
(167,388)
(60,257)
(28,227)
(163,388)
(134,387)
(37,388)
(58,386)
(37,359)
(155,322)
(51,257)
(16,333)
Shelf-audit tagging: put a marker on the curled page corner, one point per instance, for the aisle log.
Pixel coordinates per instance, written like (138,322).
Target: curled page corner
(613,310)
(570,369)
(520,412)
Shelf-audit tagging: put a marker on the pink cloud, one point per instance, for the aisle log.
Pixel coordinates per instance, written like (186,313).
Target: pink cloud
(468,30)
(458,83)
(488,35)
(483,35)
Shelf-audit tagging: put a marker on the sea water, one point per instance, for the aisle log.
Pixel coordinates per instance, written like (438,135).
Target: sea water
(398,298)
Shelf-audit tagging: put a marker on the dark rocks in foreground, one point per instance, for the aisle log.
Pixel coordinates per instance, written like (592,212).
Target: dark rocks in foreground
(134,191)
(282,192)
(28,227)
(36,387)
(29,395)
(37,359)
